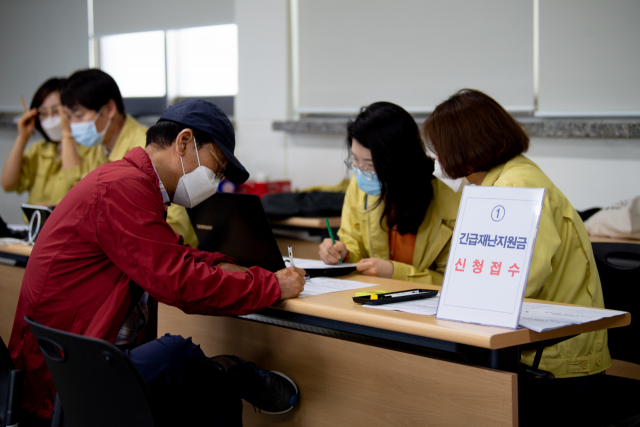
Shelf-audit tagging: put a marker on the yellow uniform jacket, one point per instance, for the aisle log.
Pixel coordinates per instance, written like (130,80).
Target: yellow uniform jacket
(562,270)
(361,232)
(42,176)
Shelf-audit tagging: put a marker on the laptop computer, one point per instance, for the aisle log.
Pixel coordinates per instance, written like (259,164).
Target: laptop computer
(7,232)
(37,215)
(236,225)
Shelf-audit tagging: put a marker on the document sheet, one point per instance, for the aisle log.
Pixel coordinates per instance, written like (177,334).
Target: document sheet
(326,285)
(312,263)
(426,307)
(535,316)
(545,317)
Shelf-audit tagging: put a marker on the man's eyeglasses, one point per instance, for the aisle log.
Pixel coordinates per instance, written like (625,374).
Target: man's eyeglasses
(368,174)
(223,168)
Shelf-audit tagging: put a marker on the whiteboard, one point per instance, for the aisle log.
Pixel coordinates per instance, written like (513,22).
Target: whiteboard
(589,57)
(132,16)
(415,53)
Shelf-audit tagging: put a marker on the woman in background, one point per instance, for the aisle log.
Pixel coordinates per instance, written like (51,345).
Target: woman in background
(48,168)
(475,139)
(397,220)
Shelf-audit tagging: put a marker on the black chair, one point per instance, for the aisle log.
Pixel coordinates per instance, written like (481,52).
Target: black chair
(96,382)
(10,389)
(619,268)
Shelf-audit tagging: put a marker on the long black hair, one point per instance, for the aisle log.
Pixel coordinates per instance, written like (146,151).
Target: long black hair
(400,161)
(54,84)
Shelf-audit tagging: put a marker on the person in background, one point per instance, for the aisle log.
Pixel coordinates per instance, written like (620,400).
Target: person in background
(397,220)
(476,140)
(95,108)
(50,167)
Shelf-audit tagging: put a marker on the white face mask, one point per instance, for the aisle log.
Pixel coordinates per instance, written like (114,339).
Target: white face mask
(197,186)
(51,126)
(455,184)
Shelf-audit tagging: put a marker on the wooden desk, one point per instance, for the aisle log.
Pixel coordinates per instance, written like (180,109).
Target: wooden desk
(603,239)
(10,283)
(16,252)
(303,222)
(361,366)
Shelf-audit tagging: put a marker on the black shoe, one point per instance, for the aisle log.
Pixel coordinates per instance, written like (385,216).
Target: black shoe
(270,392)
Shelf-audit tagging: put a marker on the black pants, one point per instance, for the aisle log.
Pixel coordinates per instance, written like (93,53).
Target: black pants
(186,387)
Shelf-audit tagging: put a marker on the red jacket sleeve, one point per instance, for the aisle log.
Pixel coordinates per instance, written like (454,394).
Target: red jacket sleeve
(131,231)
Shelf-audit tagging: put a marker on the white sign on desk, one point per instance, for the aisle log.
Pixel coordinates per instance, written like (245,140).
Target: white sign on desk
(490,255)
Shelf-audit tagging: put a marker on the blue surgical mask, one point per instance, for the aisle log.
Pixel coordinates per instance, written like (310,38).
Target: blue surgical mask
(368,182)
(86,133)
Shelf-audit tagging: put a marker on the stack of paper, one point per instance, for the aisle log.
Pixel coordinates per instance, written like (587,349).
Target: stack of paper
(312,263)
(535,316)
(545,317)
(325,285)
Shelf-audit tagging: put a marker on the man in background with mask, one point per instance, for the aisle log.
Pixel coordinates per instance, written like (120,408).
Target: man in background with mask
(94,106)
(106,256)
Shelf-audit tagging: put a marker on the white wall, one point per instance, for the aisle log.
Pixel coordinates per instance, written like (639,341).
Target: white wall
(590,172)
(40,39)
(589,58)
(263,83)
(132,16)
(10,202)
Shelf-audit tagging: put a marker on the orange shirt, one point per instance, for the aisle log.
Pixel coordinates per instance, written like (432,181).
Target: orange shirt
(401,247)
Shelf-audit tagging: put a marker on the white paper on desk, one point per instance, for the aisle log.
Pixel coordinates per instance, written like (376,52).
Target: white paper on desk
(545,317)
(537,317)
(426,306)
(540,325)
(326,285)
(312,263)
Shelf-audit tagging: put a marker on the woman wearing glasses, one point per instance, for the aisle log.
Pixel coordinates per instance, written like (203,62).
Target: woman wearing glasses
(397,220)
(45,169)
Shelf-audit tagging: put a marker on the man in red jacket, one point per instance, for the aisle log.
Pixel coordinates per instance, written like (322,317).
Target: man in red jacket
(106,256)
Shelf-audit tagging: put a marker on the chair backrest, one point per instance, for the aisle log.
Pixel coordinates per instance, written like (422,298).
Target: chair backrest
(10,388)
(619,268)
(96,382)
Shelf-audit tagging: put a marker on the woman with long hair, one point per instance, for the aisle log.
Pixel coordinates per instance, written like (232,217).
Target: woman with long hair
(397,220)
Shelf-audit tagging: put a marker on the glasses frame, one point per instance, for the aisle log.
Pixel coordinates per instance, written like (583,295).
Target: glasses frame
(369,175)
(45,113)
(223,167)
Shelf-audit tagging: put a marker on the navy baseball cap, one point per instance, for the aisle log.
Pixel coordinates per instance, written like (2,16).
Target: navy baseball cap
(207,117)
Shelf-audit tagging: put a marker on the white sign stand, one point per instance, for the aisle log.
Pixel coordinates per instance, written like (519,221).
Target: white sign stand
(490,255)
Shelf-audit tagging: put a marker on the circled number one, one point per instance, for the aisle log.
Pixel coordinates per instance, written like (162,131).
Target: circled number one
(497,214)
